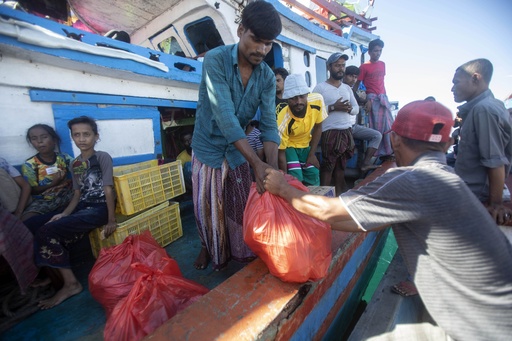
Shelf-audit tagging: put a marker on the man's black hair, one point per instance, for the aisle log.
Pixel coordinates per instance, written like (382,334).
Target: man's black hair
(49,130)
(86,120)
(352,70)
(262,19)
(255,123)
(481,66)
(375,43)
(281,71)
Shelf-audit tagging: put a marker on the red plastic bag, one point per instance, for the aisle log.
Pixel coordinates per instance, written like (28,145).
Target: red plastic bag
(112,276)
(155,297)
(294,246)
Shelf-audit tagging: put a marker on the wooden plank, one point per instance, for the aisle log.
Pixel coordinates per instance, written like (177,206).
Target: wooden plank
(330,24)
(336,9)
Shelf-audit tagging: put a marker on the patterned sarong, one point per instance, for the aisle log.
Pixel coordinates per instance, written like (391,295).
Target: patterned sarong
(337,147)
(381,119)
(219,196)
(17,247)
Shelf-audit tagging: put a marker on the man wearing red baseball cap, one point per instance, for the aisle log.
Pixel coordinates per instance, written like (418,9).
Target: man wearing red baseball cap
(458,258)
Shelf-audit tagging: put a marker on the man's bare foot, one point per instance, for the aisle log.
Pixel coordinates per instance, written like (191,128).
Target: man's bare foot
(63,294)
(41,282)
(202,259)
(366,168)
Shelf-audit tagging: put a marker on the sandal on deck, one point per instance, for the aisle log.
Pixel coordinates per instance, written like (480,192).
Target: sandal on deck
(405,288)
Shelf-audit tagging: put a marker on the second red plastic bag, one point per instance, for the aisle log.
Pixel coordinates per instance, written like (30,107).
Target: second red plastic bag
(156,296)
(112,276)
(294,246)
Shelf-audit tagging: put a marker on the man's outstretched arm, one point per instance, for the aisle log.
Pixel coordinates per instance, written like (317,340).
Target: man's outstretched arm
(330,210)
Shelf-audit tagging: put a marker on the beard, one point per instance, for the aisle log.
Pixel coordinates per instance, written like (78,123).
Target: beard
(299,112)
(338,76)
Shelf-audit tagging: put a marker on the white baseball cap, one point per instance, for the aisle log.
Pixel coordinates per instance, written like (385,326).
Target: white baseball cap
(294,85)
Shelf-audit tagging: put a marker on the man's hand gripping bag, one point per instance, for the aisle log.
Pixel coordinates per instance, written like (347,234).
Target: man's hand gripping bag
(294,246)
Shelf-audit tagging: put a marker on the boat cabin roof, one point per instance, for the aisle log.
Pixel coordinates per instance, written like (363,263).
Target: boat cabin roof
(132,16)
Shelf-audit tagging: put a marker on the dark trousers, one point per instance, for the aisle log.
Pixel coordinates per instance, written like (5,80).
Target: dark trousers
(52,241)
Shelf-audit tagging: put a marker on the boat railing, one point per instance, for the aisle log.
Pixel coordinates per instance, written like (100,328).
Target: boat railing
(329,12)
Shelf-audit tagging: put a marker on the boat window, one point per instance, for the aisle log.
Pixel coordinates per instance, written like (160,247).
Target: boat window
(203,35)
(307,76)
(307,58)
(274,57)
(321,70)
(170,46)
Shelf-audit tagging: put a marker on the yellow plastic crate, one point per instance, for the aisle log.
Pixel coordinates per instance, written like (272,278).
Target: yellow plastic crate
(145,188)
(121,170)
(163,221)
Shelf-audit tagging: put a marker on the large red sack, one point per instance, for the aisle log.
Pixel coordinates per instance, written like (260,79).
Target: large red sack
(155,297)
(294,246)
(112,276)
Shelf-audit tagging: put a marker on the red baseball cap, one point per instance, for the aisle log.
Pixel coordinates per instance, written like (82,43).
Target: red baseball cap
(424,121)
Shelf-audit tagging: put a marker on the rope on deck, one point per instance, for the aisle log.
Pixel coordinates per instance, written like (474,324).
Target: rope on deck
(15,306)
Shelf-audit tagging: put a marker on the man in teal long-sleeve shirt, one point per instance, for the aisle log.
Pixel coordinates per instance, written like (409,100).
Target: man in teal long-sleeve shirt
(235,82)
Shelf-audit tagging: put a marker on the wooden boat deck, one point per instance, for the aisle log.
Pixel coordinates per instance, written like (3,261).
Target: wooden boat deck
(254,304)
(246,302)
(82,318)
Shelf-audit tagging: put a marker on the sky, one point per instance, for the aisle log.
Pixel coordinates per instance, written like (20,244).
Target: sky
(426,40)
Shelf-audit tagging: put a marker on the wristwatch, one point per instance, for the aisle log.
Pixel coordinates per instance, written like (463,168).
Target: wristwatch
(331,107)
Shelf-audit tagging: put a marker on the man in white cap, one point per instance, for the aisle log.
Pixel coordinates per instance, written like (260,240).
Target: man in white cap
(300,129)
(459,259)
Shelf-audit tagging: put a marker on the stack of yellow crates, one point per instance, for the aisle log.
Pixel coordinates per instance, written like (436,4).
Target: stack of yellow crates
(143,193)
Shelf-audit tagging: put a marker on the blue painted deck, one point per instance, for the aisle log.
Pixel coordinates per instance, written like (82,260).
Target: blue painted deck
(82,318)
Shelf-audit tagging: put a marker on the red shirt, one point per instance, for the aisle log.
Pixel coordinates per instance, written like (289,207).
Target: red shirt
(372,76)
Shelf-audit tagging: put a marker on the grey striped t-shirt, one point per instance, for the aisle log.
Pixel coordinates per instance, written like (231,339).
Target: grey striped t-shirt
(460,260)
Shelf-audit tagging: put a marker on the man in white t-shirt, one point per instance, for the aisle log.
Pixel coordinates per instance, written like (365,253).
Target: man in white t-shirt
(337,140)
